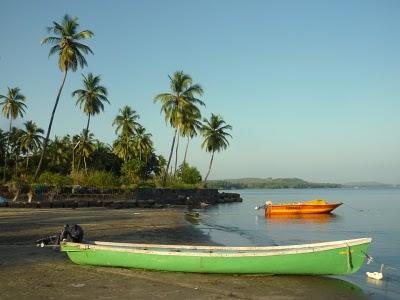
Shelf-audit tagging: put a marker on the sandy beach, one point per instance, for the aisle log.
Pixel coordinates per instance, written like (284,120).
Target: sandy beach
(28,272)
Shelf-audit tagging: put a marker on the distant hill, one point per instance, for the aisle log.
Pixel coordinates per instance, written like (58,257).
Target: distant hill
(368,184)
(267,183)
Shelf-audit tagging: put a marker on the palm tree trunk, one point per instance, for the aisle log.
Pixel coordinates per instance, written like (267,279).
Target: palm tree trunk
(37,173)
(73,155)
(6,151)
(79,163)
(16,164)
(209,168)
(84,141)
(84,161)
(87,125)
(73,159)
(176,154)
(187,146)
(169,159)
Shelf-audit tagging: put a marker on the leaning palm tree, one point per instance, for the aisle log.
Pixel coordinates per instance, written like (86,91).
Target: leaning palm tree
(91,98)
(13,105)
(31,139)
(191,125)
(126,122)
(215,137)
(67,44)
(175,103)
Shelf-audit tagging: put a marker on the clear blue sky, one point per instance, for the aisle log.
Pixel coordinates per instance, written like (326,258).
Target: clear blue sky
(311,88)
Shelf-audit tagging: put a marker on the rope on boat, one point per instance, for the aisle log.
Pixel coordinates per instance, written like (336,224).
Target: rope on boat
(349,259)
(356,209)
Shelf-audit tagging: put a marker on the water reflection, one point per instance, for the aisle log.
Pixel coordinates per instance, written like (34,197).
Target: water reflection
(302,218)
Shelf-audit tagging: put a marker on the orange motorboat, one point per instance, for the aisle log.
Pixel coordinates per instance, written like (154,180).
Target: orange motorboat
(317,206)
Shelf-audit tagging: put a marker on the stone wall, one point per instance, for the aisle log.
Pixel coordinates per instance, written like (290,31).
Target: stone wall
(178,196)
(143,197)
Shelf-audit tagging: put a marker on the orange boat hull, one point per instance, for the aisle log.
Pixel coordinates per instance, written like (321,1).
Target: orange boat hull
(289,209)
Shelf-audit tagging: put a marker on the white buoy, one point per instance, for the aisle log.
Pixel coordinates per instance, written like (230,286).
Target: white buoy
(376,275)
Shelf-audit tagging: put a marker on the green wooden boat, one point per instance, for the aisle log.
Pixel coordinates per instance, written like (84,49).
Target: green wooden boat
(328,258)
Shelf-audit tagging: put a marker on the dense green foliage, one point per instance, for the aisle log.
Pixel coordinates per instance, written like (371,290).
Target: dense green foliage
(267,183)
(188,174)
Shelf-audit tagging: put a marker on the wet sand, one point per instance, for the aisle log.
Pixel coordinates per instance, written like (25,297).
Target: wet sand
(28,272)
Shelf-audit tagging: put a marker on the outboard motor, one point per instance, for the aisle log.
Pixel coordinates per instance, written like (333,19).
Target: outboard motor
(72,233)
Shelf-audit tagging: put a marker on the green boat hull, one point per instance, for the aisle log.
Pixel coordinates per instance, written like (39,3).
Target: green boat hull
(337,261)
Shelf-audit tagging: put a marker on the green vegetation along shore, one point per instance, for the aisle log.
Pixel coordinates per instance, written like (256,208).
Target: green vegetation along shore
(268,183)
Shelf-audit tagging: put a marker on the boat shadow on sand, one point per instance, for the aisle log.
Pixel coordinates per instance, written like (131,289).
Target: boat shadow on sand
(251,286)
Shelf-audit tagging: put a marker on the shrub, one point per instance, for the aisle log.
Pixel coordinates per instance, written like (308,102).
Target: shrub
(133,171)
(54,179)
(99,179)
(188,174)
(78,177)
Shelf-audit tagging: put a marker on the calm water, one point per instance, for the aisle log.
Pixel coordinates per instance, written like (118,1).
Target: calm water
(366,213)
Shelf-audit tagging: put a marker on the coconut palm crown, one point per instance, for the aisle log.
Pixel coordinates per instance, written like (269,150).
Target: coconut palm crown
(86,146)
(180,99)
(143,144)
(31,139)
(126,122)
(91,97)
(66,40)
(215,136)
(13,103)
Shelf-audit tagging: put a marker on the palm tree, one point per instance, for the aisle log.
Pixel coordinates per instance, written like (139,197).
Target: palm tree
(124,148)
(180,100)
(126,121)
(15,146)
(215,137)
(13,105)
(31,139)
(57,152)
(91,98)
(143,144)
(66,43)
(73,143)
(190,126)
(86,146)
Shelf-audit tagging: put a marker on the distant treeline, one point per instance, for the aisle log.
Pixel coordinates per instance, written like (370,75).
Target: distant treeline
(267,183)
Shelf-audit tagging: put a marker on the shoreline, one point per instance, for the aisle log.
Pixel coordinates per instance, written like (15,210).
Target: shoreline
(28,272)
